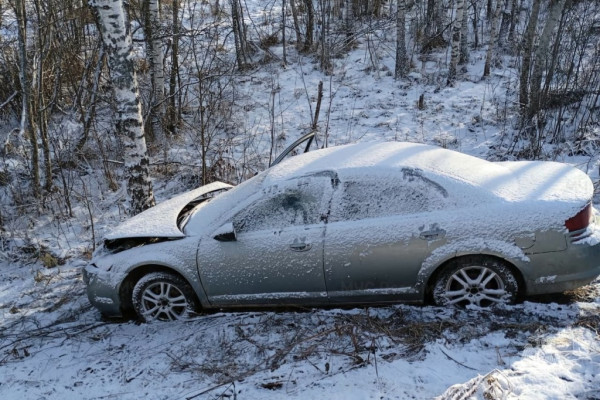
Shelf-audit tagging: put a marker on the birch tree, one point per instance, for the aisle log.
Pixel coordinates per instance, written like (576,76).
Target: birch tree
(464,33)
(156,67)
(117,42)
(239,34)
(26,130)
(554,12)
(401,56)
(527,52)
(40,107)
(296,23)
(172,113)
(492,38)
(456,28)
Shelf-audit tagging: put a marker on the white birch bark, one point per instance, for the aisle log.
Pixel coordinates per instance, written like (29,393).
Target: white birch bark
(456,28)
(541,52)
(117,42)
(173,113)
(527,53)
(464,34)
(492,38)
(26,130)
(158,74)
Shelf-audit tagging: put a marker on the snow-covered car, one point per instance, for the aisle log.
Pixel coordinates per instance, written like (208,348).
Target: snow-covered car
(355,224)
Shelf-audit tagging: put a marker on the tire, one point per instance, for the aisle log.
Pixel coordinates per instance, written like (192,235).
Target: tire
(163,296)
(477,281)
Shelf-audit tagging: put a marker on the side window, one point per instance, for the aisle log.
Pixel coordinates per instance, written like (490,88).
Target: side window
(374,197)
(293,205)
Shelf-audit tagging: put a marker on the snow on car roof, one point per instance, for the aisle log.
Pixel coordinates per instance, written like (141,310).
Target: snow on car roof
(512,181)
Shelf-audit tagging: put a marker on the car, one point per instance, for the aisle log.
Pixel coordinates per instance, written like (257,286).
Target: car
(351,225)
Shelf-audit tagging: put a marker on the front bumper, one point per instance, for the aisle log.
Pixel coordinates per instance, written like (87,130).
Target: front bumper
(103,290)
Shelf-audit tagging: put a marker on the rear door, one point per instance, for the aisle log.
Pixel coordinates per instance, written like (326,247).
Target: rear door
(380,230)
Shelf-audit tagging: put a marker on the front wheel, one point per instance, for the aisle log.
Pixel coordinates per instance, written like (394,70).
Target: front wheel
(163,296)
(478,281)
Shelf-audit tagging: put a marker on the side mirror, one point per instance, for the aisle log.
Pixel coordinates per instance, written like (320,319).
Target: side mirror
(226,233)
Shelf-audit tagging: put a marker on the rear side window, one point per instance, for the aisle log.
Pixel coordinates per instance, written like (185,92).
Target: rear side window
(407,192)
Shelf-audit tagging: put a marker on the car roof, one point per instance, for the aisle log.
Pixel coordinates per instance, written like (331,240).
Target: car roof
(511,181)
(377,157)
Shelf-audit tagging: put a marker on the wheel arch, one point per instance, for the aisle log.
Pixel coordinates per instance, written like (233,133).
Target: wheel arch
(447,263)
(133,277)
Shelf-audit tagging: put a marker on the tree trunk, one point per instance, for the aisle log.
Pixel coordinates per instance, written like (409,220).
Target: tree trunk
(475,23)
(541,53)
(91,109)
(1,11)
(38,84)
(464,36)
(238,34)
(325,62)
(514,14)
(504,24)
(172,114)
(456,27)
(492,38)
(283,44)
(348,20)
(527,53)
(401,56)
(429,19)
(554,57)
(157,74)
(310,25)
(26,130)
(129,125)
(296,24)
(434,21)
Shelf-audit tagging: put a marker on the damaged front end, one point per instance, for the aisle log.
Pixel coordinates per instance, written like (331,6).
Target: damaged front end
(113,246)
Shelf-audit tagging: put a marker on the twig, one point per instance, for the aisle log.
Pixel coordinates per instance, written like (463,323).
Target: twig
(458,362)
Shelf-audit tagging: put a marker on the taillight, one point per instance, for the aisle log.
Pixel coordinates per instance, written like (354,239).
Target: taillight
(581,220)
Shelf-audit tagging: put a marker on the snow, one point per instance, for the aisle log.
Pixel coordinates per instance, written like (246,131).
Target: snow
(53,345)
(512,181)
(161,220)
(531,350)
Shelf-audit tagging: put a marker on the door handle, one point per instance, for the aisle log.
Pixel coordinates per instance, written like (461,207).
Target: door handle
(300,246)
(433,234)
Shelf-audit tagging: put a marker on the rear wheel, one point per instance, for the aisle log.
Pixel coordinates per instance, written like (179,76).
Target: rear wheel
(163,296)
(478,281)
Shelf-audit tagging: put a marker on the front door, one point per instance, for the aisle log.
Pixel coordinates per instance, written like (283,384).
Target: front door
(277,254)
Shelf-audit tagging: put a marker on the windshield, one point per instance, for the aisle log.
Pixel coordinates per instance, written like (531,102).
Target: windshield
(205,213)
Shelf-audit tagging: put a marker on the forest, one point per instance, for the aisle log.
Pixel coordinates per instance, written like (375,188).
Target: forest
(110,106)
(100,100)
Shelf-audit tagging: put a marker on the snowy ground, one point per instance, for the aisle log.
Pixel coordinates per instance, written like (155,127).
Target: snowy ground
(53,345)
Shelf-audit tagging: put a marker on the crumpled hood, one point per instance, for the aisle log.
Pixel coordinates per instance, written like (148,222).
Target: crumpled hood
(161,220)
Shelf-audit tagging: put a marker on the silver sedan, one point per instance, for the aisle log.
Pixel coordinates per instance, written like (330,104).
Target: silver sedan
(355,224)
